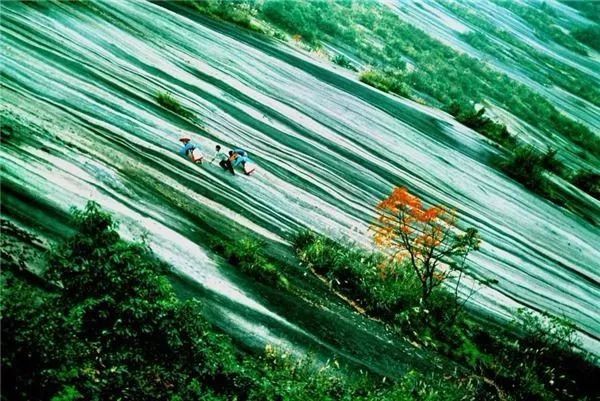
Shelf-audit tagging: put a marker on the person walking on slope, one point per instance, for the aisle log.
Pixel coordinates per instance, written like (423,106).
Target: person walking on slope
(223,158)
(190,150)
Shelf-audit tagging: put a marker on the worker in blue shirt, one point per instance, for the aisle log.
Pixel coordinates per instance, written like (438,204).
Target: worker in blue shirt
(190,150)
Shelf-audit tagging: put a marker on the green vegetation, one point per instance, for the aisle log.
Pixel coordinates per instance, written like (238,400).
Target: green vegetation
(343,61)
(113,329)
(477,120)
(525,165)
(589,35)
(590,9)
(542,18)
(386,81)
(560,74)
(167,101)
(588,181)
(550,163)
(540,363)
(248,255)
(238,12)
(426,237)
(357,273)
(379,38)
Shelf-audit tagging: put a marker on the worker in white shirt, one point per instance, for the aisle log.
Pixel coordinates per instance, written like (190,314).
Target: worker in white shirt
(224,159)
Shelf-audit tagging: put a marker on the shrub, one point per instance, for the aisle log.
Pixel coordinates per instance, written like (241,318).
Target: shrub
(383,289)
(295,18)
(248,255)
(239,12)
(477,120)
(386,81)
(589,35)
(550,163)
(524,164)
(115,329)
(343,61)
(133,339)
(170,103)
(532,358)
(588,181)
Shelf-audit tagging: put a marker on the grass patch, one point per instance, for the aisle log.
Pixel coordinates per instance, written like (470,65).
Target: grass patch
(382,292)
(167,101)
(247,254)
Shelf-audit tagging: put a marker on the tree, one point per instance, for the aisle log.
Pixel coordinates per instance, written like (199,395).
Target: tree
(428,238)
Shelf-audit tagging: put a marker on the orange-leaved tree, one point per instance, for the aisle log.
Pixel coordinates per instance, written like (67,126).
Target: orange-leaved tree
(427,237)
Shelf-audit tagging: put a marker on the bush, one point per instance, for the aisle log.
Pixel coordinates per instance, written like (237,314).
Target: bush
(343,61)
(550,163)
(383,289)
(524,164)
(477,120)
(115,329)
(589,35)
(238,12)
(294,18)
(167,101)
(588,181)
(248,255)
(132,339)
(386,81)
(533,358)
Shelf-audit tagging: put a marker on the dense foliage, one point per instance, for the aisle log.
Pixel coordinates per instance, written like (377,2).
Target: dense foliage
(526,165)
(248,255)
(588,35)
(540,363)
(590,9)
(477,120)
(381,288)
(588,181)
(113,329)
